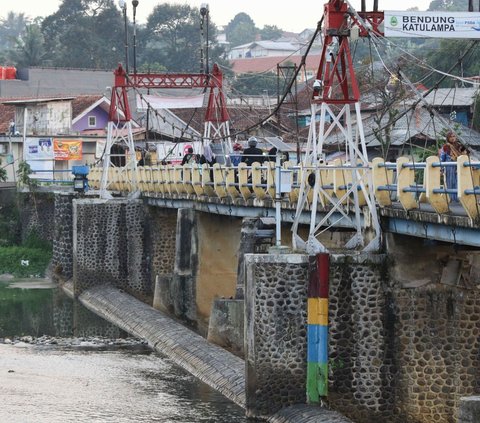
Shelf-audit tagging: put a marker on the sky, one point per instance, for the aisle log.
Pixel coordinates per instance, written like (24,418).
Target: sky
(290,16)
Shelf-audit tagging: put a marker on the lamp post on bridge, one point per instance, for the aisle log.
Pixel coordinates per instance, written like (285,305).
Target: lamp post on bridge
(123,7)
(134,4)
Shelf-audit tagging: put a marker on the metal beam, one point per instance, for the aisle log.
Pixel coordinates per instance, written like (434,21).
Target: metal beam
(288,215)
(446,233)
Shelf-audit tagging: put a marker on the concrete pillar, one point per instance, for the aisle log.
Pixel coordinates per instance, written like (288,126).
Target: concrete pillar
(186,266)
(247,246)
(275,332)
(469,410)
(226,325)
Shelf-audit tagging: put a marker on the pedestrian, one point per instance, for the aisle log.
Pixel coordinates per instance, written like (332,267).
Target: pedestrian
(236,157)
(456,147)
(272,154)
(189,158)
(141,162)
(252,153)
(450,172)
(208,157)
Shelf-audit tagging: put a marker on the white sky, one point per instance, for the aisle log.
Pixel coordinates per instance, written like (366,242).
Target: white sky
(288,15)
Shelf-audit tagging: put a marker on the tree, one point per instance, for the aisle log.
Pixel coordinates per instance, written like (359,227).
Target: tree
(270,32)
(452,5)
(172,38)
(241,30)
(85,34)
(11,28)
(256,84)
(29,47)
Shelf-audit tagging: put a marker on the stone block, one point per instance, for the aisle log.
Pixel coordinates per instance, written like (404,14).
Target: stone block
(226,325)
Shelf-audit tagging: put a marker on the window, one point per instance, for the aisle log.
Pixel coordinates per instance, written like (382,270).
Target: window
(92,121)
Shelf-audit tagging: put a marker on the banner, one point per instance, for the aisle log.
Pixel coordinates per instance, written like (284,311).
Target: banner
(67,149)
(440,24)
(163,102)
(38,149)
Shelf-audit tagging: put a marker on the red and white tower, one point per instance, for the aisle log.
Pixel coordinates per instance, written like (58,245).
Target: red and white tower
(336,99)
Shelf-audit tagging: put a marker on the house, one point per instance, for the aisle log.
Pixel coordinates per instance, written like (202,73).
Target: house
(263,49)
(269,64)
(456,103)
(417,132)
(60,132)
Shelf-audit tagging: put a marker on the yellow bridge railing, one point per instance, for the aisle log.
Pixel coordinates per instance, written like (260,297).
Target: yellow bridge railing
(406,182)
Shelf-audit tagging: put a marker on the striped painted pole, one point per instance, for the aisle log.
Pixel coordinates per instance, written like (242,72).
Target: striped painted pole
(317,332)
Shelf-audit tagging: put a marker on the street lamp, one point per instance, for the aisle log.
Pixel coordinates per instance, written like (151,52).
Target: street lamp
(123,6)
(134,4)
(204,11)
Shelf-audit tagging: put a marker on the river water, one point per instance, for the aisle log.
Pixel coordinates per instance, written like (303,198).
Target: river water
(76,374)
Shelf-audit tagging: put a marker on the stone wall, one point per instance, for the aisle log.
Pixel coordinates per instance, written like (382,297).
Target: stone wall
(62,259)
(37,215)
(362,355)
(109,246)
(160,236)
(400,354)
(437,344)
(275,343)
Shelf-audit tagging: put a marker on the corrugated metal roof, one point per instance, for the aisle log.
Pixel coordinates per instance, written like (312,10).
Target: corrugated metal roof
(36,100)
(279,144)
(418,123)
(444,97)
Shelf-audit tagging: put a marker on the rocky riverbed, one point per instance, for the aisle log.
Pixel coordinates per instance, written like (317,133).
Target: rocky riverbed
(73,342)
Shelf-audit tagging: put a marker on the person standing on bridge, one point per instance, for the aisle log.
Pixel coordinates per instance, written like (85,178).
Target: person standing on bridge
(449,172)
(252,153)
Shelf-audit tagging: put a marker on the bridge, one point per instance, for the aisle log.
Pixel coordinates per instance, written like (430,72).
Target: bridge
(411,197)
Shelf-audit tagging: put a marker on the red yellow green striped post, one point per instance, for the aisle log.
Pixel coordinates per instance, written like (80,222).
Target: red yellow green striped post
(317,332)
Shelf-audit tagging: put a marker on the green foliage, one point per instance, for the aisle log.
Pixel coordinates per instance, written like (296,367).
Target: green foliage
(451,5)
(153,67)
(11,257)
(421,154)
(11,28)
(476,113)
(34,241)
(9,225)
(85,34)
(173,38)
(256,83)
(270,32)
(29,47)
(3,173)
(23,172)
(241,30)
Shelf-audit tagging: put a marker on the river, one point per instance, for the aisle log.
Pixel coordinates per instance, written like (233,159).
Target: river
(77,374)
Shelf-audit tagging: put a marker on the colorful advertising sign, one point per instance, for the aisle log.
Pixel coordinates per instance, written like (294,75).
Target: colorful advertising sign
(38,149)
(432,24)
(67,149)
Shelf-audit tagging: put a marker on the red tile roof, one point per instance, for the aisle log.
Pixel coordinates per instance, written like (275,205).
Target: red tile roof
(265,64)
(83,102)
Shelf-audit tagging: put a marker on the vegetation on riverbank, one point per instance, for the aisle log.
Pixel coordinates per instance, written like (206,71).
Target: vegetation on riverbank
(17,248)
(31,258)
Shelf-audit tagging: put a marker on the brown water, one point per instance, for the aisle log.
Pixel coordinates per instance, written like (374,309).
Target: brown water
(57,384)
